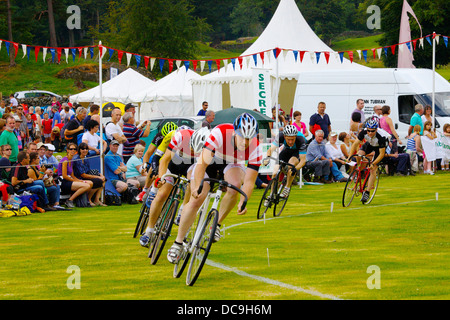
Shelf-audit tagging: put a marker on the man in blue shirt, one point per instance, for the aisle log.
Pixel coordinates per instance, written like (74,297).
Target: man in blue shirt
(56,116)
(416,119)
(202,112)
(321,119)
(115,168)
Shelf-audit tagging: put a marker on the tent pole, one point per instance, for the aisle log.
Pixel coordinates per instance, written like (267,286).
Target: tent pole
(434,80)
(100,80)
(276,106)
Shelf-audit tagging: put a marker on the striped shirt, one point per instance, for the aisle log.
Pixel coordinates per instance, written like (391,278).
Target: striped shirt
(133,134)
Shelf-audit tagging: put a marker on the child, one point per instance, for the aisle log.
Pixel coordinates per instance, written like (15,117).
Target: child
(30,125)
(47,126)
(55,138)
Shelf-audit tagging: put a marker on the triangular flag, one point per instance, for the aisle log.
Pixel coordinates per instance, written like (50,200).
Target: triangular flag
(119,56)
(295,52)
(194,64)
(365,55)
(202,65)
(240,62)
(374,52)
(218,65)
(318,56)
(233,62)
(341,56)
(327,56)
(261,55)
(428,39)
(103,51)
(393,49)
(24,49)
(350,55)
(421,42)
(53,52)
(44,53)
(152,63)
(146,61)
(138,60)
(414,43)
(111,52)
(74,53)
(400,47)
(161,64)
(276,52)
(210,65)
(36,52)
(379,53)
(59,52)
(255,59)
(170,65)
(92,52)
(16,49)
(85,50)
(225,64)
(437,39)
(311,55)
(80,50)
(66,52)
(178,62)
(28,53)
(7,47)
(187,64)
(408,44)
(302,54)
(1,44)
(445,40)
(285,52)
(128,59)
(359,53)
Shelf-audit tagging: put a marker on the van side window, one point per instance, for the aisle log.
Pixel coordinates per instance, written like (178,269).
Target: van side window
(406,108)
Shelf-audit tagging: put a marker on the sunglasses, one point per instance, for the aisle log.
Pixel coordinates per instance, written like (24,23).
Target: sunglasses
(7,150)
(373,130)
(71,149)
(84,148)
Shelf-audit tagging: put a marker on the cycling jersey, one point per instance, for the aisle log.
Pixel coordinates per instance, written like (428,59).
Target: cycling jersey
(288,152)
(162,147)
(378,141)
(180,144)
(222,143)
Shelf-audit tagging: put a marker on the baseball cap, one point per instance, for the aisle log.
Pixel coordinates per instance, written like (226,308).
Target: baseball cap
(114,142)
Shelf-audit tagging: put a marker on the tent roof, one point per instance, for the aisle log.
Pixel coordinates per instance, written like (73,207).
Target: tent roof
(286,30)
(173,86)
(118,89)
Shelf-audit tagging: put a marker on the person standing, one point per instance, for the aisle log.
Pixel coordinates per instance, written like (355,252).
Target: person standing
(209,118)
(133,134)
(320,119)
(8,137)
(202,111)
(359,109)
(75,126)
(416,119)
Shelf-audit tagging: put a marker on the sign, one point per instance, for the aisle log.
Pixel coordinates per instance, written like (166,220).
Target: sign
(114,72)
(262,91)
(269,169)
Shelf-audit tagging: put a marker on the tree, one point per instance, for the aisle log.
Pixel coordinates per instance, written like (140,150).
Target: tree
(245,18)
(12,50)
(51,24)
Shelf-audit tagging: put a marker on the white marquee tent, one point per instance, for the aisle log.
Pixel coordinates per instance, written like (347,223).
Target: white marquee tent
(170,96)
(118,89)
(287,30)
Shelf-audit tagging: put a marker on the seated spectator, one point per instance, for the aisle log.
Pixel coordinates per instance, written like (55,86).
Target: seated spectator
(70,182)
(115,169)
(5,164)
(44,177)
(49,159)
(336,154)
(91,138)
(135,170)
(41,149)
(55,138)
(75,126)
(82,171)
(22,182)
(400,162)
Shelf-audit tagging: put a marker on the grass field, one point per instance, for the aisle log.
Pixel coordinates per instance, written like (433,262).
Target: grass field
(307,253)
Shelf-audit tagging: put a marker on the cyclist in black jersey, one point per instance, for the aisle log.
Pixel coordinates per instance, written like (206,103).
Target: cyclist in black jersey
(293,150)
(371,141)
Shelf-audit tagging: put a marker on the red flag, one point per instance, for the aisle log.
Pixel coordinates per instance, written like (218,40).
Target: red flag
(240,62)
(58,51)
(146,61)
(327,56)
(16,49)
(194,64)
(80,51)
(36,52)
(120,55)
(170,66)
(277,52)
(374,53)
(100,48)
(350,55)
(302,54)
(218,65)
(414,43)
(261,54)
(393,48)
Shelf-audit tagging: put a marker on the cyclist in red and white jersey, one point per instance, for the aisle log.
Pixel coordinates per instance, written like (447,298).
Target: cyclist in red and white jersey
(224,156)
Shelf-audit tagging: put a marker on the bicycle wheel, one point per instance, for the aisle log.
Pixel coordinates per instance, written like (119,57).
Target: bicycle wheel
(201,249)
(164,232)
(143,219)
(158,225)
(280,202)
(351,188)
(375,188)
(267,195)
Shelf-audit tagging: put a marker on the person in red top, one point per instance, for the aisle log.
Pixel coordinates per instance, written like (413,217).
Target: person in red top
(225,154)
(47,128)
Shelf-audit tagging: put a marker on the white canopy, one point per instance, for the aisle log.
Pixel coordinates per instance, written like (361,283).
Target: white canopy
(118,89)
(171,96)
(288,31)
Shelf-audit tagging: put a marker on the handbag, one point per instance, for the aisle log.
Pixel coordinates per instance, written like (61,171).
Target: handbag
(111,199)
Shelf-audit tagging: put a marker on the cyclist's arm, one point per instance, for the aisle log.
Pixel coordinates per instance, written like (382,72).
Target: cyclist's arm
(151,149)
(164,162)
(380,157)
(204,160)
(271,149)
(353,148)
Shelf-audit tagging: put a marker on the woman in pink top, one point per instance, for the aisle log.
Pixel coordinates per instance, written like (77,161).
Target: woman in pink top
(387,124)
(301,127)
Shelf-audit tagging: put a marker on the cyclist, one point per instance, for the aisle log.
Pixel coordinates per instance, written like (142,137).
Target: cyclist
(374,142)
(159,144)
(178,159)
(293,151)
(224,155)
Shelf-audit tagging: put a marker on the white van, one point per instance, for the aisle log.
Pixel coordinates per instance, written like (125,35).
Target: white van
(401,89)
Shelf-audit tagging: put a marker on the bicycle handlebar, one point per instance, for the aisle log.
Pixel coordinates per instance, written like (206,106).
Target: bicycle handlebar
(225,184)
(175,177)
(363,157)
(282,162)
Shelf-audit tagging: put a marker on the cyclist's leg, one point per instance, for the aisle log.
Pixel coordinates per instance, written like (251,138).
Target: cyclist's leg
(372,177)
(233,174)
(158,202)
(290,176)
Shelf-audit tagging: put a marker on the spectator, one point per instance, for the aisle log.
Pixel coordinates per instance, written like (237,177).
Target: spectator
(281,121)
(82,171)
(202,111)
(355,124)
(49,159)
(70,182)
(301,126)
(430,134)
(75,126)
(132,109)
(23,123)
(55,103)
(317,158)
(346,144)
(66,113)
(22,182)
(47,125)
(387,125)
(115,169)
(113,131)
(13,101)
(2,107)
(337,156)
(427,114)
(55,138)
(8,137)
(94,109)
(56,119)
(30,126)
(135,170)
(416,119)
(38,120)
(44,177)
(359,109)
(377,111)
(41,149)
(91,138)
(320,119)
(446,161)
(400,161)
(21,136)
(31,147)
(133,134)
(5,164)
(414,148)
(209,118)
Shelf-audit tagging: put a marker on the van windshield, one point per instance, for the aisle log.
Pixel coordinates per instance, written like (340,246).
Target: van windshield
(442,102)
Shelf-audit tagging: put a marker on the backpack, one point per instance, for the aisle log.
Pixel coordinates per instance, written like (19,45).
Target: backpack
(29,201)
(130,195)
(82,201)
(111,199)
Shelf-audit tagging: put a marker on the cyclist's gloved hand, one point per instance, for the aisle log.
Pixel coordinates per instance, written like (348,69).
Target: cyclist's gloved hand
(293,171)
(266,161)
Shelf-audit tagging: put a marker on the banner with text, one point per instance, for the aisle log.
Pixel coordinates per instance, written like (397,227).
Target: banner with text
(262,91)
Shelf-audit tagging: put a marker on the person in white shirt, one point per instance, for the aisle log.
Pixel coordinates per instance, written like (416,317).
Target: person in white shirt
(91,138)
(113,130)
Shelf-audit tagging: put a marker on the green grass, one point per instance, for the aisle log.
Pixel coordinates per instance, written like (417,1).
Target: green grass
(405,232)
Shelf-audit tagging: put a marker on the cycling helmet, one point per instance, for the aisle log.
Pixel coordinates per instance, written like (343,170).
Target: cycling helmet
(183,127)
(168,127)
(290,130)
(372,123)
(246,126)
(198,139)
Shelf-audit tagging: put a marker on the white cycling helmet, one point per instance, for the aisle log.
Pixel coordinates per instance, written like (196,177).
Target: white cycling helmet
(246,126)
(290,131)
(198,139)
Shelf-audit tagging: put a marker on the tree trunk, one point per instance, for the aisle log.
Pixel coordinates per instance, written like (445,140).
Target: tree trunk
(12,51)
(51,24)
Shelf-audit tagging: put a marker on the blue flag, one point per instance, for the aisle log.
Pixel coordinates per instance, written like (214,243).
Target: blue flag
(187,64)
(341,56)
(53,51)
(161,64)
(111,52)
(209,65)
(318,56)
